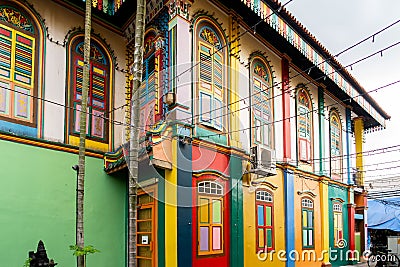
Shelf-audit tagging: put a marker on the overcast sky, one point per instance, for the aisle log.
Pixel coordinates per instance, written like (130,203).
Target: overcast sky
(338,24)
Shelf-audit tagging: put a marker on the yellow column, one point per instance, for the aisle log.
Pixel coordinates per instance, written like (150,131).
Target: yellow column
(171,214)
(359,139)
(234,82)
(324,222)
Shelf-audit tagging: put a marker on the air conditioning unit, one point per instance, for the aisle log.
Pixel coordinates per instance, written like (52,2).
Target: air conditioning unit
(263,161)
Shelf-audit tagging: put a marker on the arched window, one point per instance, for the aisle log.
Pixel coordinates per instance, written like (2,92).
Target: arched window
(211,76)
(304,125)
(20,68)
(335,144)
(98,127)
(262,104)
(150,90)
(210,217)
(307,214)
(264,221)
(337,223)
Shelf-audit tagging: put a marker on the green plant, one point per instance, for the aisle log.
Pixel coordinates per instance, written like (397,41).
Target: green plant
(27,262)
(79,251)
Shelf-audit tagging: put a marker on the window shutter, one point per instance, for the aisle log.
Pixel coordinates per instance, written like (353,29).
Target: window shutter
(98,101)
(205,107)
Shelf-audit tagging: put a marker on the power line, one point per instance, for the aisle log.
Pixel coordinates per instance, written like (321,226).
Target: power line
(165,138)
(310,68)
(310,82)
(291,117)
(367,38)
(228,43)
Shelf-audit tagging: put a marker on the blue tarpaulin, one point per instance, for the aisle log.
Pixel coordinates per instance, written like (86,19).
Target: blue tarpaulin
(384,214)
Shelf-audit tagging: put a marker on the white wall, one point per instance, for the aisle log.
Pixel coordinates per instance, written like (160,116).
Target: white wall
(59,21)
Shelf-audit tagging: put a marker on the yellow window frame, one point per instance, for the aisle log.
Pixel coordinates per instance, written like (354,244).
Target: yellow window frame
(210,224)
(212,90)
(12,82)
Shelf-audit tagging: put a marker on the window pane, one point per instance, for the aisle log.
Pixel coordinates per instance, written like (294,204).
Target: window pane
(269,216)
(216,211)
(218,113)
(258,130)
(303,150)
(310,219)
(261,238)
(204,210)
(22,103)
(260,215)
(205,111)
(78,117)
(305,218)
(310,237)
(305,241)
(97,124)
(216,238)
(335,221)
(203,239)
(269,238)
(267,131)
(4,97)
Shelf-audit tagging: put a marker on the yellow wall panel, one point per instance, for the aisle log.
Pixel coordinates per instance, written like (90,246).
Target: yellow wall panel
(249,224)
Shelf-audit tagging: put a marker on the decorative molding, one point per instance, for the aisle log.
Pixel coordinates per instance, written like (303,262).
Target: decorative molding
(211,172)
(153,8)
(109,7)
(325,62)
(209,35)
(306,192)
(179,8)
(15,17)
(263,183)
(96,36)
(337,199)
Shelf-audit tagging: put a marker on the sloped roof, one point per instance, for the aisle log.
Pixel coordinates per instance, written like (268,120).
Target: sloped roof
(289,36)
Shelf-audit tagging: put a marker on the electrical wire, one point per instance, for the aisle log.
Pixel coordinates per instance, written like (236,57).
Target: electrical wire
(294,116)
(165,138)
(310,68)
(321,77)
(228,43)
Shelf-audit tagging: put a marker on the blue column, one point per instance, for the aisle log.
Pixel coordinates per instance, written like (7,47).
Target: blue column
(184,209)
(289,215)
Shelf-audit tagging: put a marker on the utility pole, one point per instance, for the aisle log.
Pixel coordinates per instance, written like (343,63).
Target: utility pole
(134,132)
(80,190)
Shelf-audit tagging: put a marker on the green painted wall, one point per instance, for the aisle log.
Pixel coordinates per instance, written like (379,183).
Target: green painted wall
(236,227)
(338,255)
(37,196)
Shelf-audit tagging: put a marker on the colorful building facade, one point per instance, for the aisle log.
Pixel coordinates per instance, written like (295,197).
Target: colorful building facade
(248,135)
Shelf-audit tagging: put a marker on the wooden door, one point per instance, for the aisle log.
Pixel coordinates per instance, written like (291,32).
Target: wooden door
(145,230)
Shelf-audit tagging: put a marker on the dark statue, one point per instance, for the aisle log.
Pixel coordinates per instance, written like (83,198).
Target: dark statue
(40,259)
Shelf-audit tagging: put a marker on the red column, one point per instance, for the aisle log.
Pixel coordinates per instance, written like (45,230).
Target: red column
(352,234)
(286,110)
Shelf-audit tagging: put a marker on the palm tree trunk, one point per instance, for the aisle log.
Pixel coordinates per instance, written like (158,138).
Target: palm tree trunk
(80,190)
(134,132)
